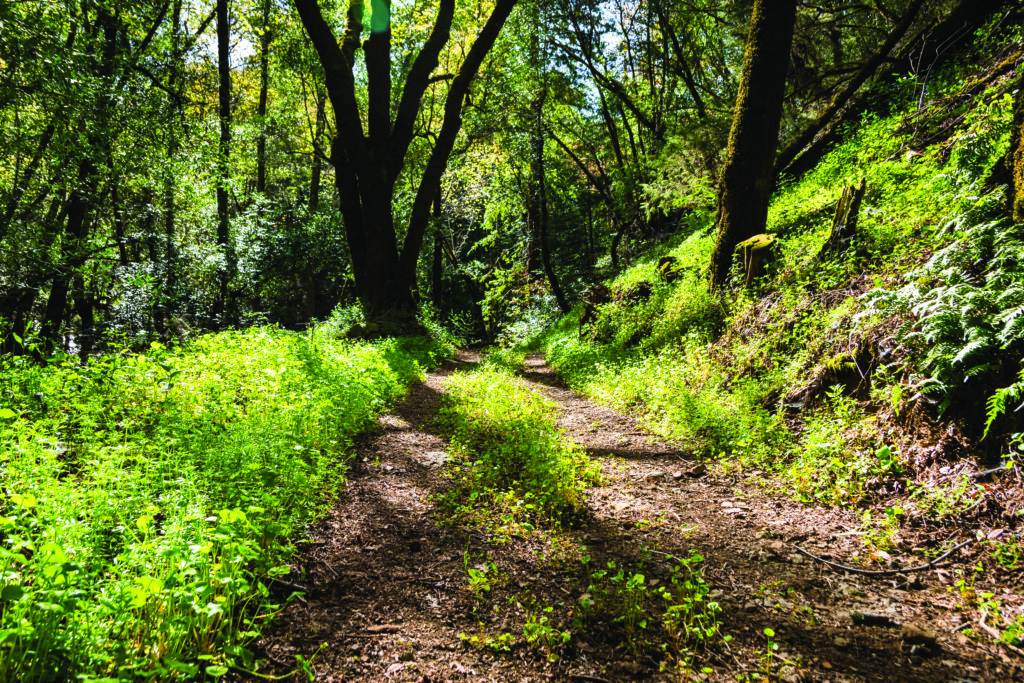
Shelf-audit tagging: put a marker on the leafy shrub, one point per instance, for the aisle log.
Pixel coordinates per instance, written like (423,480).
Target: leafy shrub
(839,451)
(679,394)
(510,359)
(150,500)
(507,449)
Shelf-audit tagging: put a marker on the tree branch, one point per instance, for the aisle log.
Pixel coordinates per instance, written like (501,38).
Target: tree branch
(377,51)
(866,71)
(337,64)
(416,84)
(450,126)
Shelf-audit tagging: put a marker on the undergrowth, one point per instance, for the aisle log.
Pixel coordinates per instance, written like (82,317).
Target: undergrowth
(151,500)
(674,620)
(789,376)
(512,468)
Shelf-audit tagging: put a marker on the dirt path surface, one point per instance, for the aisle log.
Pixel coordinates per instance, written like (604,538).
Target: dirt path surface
(387,595)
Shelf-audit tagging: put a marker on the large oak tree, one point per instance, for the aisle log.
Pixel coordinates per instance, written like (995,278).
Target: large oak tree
(368,160)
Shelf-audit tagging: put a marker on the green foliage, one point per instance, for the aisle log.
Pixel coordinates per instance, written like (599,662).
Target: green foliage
(1009,554)
(681,395)
(838,453)
(508,453)
(676,618)
(151,500)
(946,500)
(540,633)
(510,359)
(481,576)
(497,643)
(962,309)
(741,377)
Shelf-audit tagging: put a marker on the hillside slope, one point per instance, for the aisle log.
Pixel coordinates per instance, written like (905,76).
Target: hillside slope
(859,376)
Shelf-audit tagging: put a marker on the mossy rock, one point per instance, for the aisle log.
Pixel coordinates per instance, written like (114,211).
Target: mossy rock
(757,242)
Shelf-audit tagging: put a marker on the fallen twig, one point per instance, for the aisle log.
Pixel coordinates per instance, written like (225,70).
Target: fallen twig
(977,476)
(884,572)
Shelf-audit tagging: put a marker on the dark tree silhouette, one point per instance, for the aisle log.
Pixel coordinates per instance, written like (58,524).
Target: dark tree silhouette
(367,165)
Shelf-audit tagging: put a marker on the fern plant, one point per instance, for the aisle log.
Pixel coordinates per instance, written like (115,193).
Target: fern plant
(963,312)
(997,403)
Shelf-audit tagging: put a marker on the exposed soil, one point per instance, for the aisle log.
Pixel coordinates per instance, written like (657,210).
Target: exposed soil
(387,594)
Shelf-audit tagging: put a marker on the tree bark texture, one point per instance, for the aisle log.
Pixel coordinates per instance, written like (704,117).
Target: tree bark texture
(1015,160)
(224,163)
(748,177)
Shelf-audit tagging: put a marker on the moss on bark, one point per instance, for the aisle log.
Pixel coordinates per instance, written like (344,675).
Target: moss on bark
(747,177)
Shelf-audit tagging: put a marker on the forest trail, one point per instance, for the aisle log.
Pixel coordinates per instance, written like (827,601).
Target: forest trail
(387,594)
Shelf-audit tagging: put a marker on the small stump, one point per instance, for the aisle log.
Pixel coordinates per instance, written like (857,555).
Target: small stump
(844,224)
(669,269)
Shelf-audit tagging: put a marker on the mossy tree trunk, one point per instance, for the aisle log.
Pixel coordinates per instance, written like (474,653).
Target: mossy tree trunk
(748,177)
(261,109)
(844,224)
(1015,159)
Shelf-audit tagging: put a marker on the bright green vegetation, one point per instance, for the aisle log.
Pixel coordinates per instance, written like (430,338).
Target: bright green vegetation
(151,500)
(511,464)
(673,620)
(514,472)
(793,376)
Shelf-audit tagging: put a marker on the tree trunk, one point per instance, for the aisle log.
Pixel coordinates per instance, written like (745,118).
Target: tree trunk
(79,205)
(167,296)
(261,110)
(538,200)
(437,262)
(83,195)
(747,177)
(85,306)
(368,160)
(539,203)
(1015,160)
(226,267)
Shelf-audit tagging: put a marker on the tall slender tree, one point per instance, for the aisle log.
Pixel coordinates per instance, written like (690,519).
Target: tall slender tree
(223,162)
(82,199)
(537,201)
(261,107)
(748,177)
(367,163)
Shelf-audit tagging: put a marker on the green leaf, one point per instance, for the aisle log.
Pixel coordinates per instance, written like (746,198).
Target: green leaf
(12,593)
(216,670)
(26,501)
(182,667)
(7,414)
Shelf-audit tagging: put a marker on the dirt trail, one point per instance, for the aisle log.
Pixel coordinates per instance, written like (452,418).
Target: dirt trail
(387,589)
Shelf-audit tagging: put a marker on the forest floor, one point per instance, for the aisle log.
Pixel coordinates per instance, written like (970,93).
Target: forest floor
(387,596)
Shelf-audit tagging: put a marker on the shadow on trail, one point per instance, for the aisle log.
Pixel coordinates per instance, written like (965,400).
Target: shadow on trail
(389,588)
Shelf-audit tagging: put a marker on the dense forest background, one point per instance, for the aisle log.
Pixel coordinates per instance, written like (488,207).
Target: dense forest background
(169,163)
(783,237)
